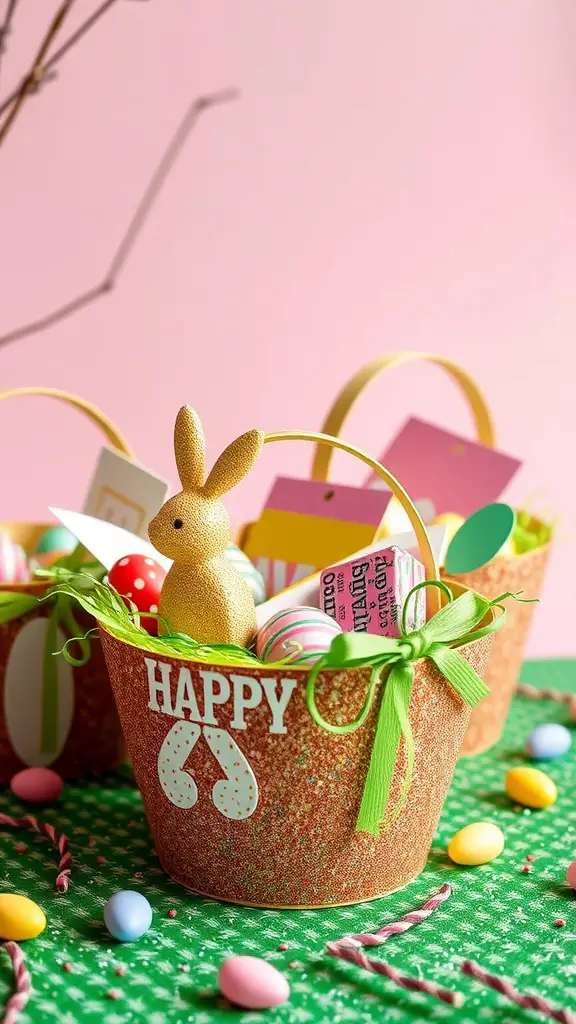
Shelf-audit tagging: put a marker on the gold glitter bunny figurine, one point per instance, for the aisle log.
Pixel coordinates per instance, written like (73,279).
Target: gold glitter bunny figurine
(204,595)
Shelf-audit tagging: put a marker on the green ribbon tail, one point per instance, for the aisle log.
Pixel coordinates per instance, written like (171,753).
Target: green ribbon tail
(458,673)
(49,711)
(385,748)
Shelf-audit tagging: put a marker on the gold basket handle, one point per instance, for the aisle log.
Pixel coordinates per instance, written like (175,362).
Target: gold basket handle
(111,432)
(323,441)
(334,421)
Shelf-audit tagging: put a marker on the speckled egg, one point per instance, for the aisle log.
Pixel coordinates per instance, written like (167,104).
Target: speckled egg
(20,918)
(13,561)
(37,785)
(549,741)
(252,983)
(127,915)
(248,572)
(57,538)
(478,843)
(531,787)
(302,634)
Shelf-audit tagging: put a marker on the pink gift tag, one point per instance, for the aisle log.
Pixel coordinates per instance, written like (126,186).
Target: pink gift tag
(454,474)
(367,595)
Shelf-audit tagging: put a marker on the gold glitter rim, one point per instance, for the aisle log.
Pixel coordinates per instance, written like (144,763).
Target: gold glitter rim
(290,906)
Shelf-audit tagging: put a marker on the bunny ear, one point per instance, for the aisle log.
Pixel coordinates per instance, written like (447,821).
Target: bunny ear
(234,463)
(189,448)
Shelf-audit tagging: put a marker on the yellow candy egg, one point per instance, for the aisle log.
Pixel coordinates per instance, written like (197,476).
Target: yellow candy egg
(475,844)
(531,787)
(20,918)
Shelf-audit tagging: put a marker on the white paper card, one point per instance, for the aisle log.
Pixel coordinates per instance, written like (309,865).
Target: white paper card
(124,493)
(308,591)
(105,541)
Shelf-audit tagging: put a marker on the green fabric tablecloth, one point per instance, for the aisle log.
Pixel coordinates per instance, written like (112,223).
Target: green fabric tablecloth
(497,915)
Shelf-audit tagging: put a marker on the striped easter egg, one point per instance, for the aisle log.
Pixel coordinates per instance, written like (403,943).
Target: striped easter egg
(248,572)
(302,634)
(13,561)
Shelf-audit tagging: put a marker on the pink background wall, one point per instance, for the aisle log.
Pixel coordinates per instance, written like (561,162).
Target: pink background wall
(395,175)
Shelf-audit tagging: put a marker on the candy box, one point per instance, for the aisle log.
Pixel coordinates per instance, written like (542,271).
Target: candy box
(368,594)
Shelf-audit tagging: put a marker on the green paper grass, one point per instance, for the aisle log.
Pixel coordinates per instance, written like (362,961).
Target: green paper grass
(529,533)
(108,608)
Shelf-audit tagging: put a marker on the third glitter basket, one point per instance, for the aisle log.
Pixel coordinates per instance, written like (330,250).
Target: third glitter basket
(320,818)
(509,571)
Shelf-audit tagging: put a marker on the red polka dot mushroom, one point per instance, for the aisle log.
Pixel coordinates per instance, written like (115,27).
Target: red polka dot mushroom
(140,579)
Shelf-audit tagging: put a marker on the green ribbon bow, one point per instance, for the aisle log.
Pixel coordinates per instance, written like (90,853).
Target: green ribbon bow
(14,605)
(456,622)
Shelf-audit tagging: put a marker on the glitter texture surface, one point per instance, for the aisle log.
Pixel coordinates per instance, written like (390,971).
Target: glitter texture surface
(516,573)
(309,783)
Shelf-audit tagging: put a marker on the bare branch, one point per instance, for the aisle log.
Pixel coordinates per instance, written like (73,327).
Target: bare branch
(37,70)
(58,54)
(6,26)
(137,222)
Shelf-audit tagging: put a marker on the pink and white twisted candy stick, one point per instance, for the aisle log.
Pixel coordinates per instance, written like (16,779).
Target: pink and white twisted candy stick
(356,956)
(403,925)
(23,984)
(349,948)
(526,690)
(44,828)
(506,988)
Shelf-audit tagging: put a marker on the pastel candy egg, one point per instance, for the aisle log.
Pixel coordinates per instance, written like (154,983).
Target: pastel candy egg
(475,844)
(127,915)
(20,918)
(531,787)
(248,572)
(57,538)
(252,983)
(37,785)
(302,634)
(46,559)
(549,741)
(571,875)
(13,561)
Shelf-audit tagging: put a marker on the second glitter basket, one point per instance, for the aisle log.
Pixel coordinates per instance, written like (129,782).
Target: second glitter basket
(251,801)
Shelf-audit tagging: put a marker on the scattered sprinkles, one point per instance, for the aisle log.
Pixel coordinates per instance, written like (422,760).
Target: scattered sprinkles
(113,993)
(283,946)
(172,912)
(526,869)
(67,967)
(560,923)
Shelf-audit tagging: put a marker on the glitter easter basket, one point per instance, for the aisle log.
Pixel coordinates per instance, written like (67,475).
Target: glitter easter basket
(251,801)
(506,572)
(53,713)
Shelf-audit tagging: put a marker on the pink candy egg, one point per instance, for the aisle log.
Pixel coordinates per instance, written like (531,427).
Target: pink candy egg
(37,785)
(302,634)
(252,983)
(13,561)
(571,875)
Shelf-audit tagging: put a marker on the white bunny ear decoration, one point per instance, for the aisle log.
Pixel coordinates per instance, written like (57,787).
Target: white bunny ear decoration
(234,464)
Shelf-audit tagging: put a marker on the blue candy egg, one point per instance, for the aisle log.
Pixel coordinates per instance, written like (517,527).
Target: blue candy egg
(57,538)
(549,741)
(127,915)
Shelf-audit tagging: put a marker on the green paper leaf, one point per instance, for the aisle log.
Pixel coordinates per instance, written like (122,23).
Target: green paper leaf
(480,538)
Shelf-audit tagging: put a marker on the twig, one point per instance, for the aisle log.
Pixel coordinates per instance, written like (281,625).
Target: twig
(22,984)
(6,26)
(149,197)
(506,988)
(67,45)
(37,70)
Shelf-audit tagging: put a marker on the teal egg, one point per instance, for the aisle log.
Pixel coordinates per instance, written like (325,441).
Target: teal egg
(249,572)
(57,538)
